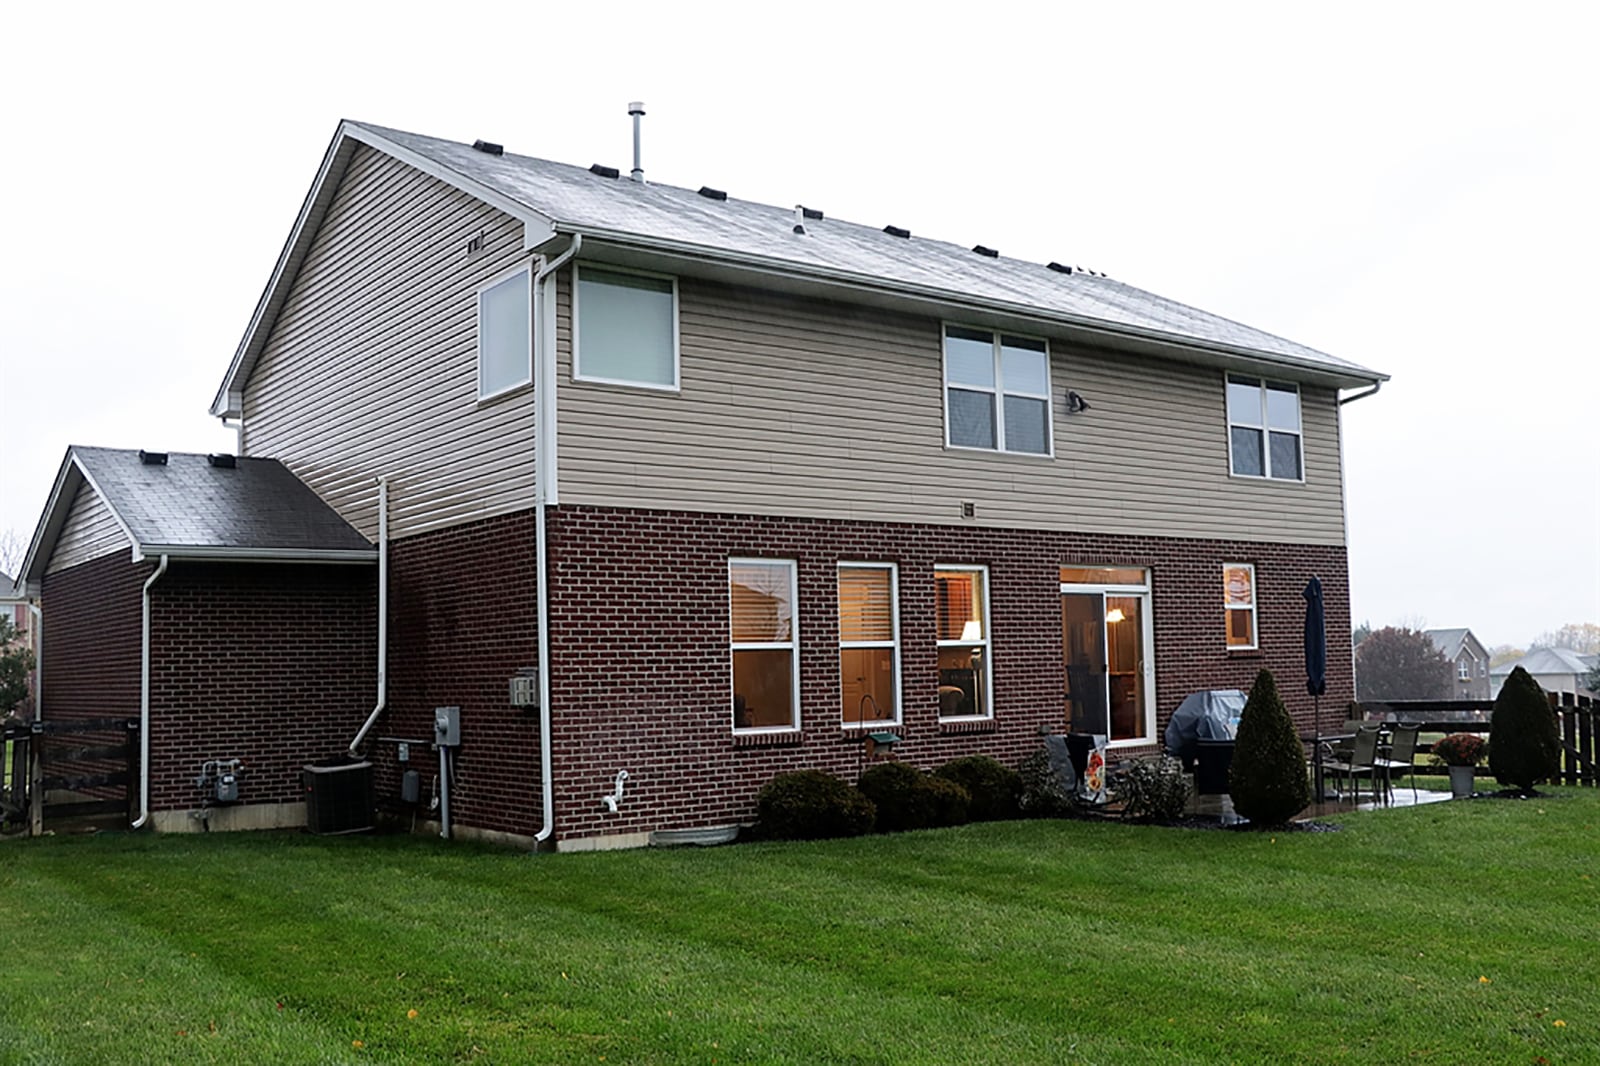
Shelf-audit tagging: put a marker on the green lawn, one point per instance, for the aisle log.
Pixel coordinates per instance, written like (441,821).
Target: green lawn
(1449,933)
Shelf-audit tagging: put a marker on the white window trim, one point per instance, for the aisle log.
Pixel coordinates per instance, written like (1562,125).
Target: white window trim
(792,645)
(893,645)
(499,279)
(1255,616)
(1147,626)
(999,392)
(1464,667)
(987,643)
(577,346)
(1266,431)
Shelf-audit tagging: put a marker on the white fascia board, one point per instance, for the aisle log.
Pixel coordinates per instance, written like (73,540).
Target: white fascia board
(536,229)
(204,553)
(1226,355)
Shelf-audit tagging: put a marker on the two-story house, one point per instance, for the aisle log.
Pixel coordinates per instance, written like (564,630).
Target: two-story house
(733,486)
(1469,661)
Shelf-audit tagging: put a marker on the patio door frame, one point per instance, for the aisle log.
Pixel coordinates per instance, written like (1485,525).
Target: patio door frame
(1147,667)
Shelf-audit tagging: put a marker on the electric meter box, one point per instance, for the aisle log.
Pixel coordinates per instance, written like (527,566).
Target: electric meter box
(447,727)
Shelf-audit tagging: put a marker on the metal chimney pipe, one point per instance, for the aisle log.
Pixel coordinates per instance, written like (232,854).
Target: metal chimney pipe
(636,109)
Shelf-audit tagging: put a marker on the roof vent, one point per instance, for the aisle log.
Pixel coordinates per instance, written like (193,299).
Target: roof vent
(636,109)
(812,213)
(488,148)
(605,172)
(799,219)
(896,231)
(152,458)
(990,252)
(223,460)
(1058,268)
(712,194)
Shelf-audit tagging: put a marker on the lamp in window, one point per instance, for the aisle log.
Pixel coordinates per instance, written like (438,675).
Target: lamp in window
(1115,615)
(972,632)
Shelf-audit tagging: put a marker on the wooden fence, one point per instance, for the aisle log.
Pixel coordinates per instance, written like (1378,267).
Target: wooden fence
(1577,717)
(69,769)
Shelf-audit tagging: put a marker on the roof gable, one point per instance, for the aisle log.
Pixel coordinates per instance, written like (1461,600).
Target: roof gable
(189,508)
(555,199)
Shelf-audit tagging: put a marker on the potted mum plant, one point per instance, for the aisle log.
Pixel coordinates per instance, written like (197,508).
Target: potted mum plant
(1460,752)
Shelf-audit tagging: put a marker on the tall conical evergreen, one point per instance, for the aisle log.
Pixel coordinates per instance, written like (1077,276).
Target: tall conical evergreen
(1268,778)
(1524,740)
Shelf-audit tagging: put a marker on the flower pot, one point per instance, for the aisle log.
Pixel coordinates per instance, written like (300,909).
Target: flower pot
(1461,782)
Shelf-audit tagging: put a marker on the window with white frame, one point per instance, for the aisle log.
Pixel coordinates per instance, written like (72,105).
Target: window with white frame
(765,643)
(625,328)
(1264,429)
(505,352)
(1239,604)
(869,643)
(961,612)
(996,391)
(1464,669)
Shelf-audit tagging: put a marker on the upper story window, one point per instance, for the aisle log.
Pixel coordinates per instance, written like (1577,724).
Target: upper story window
(1264,429)
(1464,669)
(505,352)
(996,391)
(765,643)
(869,643)
(625,329)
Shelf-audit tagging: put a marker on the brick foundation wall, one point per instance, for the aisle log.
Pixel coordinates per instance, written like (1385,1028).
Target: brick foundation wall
(92,620)
(463,613)
(641,660)
(274,664)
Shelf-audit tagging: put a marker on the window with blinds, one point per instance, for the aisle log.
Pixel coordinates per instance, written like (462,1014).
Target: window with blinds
(869,643)
(765,643)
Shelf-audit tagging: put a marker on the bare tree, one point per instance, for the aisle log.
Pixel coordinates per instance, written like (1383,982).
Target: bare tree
(12,550)
(1581,637)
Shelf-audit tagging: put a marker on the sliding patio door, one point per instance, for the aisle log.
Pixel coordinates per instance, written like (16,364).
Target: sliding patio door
(1106,637)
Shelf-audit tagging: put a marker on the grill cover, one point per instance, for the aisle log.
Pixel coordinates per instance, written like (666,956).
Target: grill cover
(1209,715)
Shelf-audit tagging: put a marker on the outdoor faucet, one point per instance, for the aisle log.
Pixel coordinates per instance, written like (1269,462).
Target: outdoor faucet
(610,802)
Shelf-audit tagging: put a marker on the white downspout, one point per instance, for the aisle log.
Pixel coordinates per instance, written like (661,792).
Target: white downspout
(544,406)
(383,617)
(144,701)
(38,661)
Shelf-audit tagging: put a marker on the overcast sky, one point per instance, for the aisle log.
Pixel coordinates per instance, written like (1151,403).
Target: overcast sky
(1409,187)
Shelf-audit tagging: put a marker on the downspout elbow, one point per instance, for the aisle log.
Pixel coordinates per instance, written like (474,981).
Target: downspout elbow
(1353,397)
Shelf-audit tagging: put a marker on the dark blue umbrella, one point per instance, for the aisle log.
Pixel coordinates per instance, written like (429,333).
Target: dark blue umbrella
(1316,640)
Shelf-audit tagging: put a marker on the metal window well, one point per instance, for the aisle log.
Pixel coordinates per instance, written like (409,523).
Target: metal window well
(338,797)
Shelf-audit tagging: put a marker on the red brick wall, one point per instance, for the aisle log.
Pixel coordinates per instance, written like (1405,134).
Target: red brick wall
(640,647)
(274,664)
(641,661)
(92,618)
(463,613)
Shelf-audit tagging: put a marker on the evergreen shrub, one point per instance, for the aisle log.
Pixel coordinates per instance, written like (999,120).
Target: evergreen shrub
(1268,779)
(995,788)
(1154,789)
(812,805)
(1524,740)
(907,798)
(1044,793)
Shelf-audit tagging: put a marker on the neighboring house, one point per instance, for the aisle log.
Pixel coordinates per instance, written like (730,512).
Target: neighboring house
(16,608)
(217,599)
(1556,670)
(1469,662)
(739,485)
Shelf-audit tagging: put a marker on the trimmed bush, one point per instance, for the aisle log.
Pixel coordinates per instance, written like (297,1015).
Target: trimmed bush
(1524,740)
(1043,793)
(812,805)
(1268,779)
(995,788)
(1154,789)
(907,798)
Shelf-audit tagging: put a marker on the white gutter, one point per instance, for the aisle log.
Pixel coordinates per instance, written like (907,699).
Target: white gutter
(383,616)
(201,553)
(544,454)
(144,701)
(1376,385)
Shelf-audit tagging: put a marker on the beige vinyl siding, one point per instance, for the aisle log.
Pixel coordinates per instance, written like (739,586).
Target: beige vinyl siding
(89,532)
(797,407)
(372,365)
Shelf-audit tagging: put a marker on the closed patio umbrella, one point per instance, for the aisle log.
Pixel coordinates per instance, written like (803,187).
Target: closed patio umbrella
(1316,669)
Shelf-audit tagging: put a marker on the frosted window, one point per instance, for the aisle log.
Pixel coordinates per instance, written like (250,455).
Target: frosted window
(504,355)
(627,329)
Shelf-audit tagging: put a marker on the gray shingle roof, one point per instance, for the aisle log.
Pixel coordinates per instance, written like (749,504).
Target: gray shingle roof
(1448,641)
(577,200)
(257,505)
(1547,661)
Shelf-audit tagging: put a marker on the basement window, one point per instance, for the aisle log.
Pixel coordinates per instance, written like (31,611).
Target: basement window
(625,329)
(505,352)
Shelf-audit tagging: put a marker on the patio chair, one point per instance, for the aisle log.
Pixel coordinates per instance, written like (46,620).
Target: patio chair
(1361,759)
(1402,755)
